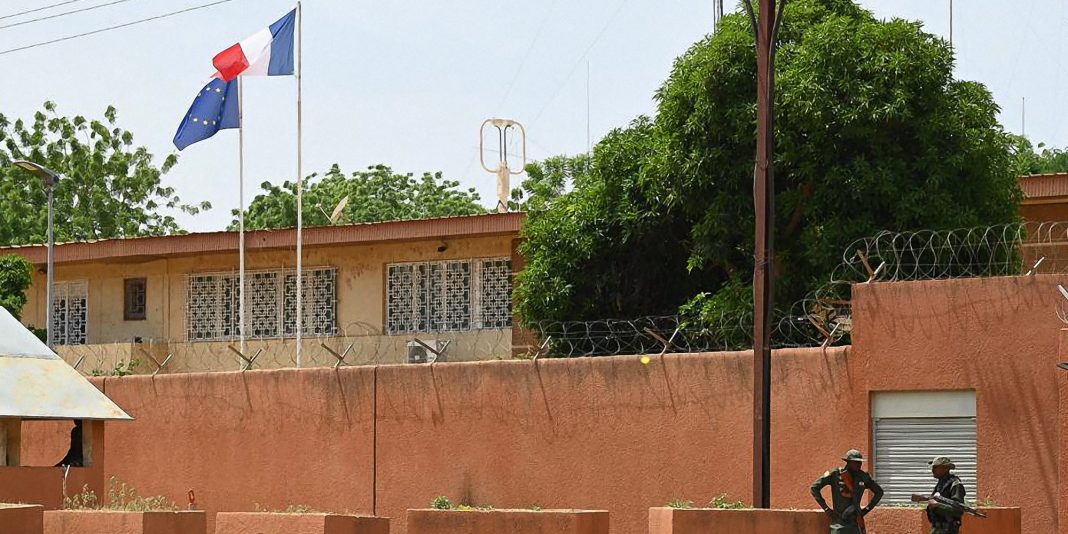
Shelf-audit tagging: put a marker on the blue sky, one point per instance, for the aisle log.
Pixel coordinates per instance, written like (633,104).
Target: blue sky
(408,83)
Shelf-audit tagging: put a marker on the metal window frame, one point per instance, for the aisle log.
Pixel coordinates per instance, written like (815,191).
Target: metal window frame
(61,318)
(421,296)
(226,314)
(127,315)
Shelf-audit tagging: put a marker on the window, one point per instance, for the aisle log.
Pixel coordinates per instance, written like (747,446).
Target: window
(911,428)
(134,299)
(212,306)
(70,313)
(449,296)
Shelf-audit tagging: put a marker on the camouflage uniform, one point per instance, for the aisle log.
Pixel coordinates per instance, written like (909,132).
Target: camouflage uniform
(847,490)
(944,519)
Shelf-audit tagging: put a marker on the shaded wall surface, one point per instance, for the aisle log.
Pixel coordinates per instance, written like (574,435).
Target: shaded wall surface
(606,433)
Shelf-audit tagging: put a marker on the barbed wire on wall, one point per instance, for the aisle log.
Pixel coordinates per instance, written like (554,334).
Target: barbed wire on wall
(356,343)
(824,316)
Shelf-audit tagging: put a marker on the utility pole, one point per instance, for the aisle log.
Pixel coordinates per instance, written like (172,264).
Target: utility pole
(765,24)
(717,14)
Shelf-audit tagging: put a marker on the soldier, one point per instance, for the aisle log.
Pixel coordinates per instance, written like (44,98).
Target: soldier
(944,518)
(847,490)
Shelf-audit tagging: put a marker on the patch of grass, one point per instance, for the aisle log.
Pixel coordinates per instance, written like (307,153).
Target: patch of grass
(119,498)
(441,502)
(723,502)
(680,504)
(289,509)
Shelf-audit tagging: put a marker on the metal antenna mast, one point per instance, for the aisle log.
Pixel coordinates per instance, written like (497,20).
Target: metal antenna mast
(504,174)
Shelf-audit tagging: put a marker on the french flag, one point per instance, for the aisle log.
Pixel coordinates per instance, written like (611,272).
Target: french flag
(268,52)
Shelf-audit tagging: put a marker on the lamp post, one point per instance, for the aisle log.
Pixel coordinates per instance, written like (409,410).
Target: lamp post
(48,179)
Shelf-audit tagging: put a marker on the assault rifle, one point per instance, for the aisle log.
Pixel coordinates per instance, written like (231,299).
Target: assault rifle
(958,506)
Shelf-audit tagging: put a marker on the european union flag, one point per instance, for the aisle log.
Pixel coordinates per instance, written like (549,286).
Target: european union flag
(215,108)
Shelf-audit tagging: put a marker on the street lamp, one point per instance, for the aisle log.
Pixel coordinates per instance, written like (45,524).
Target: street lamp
(48,179)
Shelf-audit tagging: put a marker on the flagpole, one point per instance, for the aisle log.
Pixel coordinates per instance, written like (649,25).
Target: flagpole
(241,209)
(300,189)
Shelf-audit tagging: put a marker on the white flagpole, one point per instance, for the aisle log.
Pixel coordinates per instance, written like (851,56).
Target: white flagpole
(241,209)
(300,190)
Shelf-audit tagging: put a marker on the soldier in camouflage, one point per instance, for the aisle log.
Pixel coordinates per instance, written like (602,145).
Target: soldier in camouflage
(848,485)
(944,518)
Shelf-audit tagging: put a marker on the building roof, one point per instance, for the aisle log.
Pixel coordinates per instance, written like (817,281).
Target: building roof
(1038,186)
(36,384)
(492,224)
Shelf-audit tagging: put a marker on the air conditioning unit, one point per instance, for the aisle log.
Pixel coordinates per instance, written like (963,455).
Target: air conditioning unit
(417,353)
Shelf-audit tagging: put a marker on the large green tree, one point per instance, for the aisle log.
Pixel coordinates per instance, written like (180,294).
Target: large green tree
(15,279)
(377,194)
(873,133)
(1045,160)
(111,188)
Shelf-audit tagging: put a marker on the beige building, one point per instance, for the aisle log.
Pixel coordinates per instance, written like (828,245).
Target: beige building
(373,293)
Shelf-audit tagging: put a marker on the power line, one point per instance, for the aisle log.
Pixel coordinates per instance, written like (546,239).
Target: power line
(579,61)
(110,28)
(64,14)
(526,55)
(28,11)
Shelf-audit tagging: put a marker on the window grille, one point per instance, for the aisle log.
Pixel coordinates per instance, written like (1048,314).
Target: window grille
(496,292)
(135,299)
(70,313)
(449,296)
(212,308)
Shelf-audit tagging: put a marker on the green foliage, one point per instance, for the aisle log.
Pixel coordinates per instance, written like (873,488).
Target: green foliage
(111,188)
(873,133)
(441,502)
(120,497)
(122,368)
(680,504)
(15,278)
(377,194)
(1046,160)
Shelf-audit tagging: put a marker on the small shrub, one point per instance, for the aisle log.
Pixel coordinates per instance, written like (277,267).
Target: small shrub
(987,502)
(723,502)
(121,368)
(536,507)
(441,503)
(680,504)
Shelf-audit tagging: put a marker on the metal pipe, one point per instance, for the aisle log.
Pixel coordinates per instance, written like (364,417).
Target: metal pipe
(50,267)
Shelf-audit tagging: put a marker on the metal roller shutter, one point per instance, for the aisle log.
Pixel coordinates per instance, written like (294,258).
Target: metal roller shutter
(903,446)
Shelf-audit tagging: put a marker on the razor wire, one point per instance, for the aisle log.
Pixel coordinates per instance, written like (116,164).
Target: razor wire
(823,317)
(355,344)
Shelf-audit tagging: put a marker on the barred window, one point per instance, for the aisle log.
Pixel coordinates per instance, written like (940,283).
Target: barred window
(134,299)
(212,307)
(496,292)
(70,313)
(449,296)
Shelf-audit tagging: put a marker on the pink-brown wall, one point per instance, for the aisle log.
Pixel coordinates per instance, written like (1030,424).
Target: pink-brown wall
(606,433)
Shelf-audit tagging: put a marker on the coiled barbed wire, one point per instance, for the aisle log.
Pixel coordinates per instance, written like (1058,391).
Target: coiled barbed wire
(824,316)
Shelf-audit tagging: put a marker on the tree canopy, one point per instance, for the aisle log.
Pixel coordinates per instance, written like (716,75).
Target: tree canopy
(873,132)
(1043,161)
(15,278)
(111,188)
(377,194)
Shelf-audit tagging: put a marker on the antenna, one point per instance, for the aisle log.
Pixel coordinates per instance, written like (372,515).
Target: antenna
(717,14)
(951,22)
(504,191)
